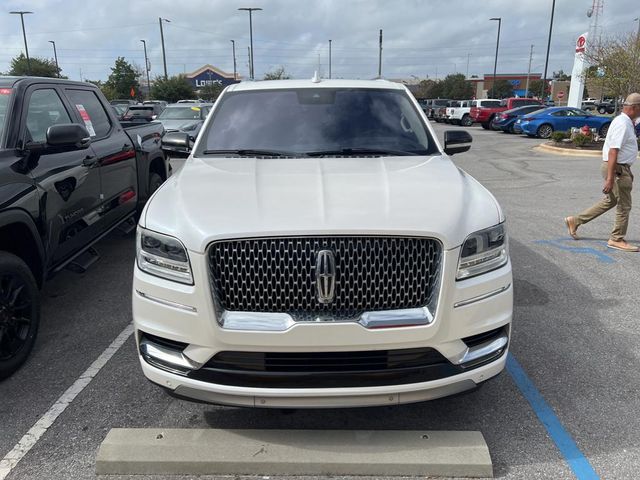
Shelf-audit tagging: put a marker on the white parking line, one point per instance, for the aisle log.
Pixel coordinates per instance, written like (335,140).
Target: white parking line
(28,441)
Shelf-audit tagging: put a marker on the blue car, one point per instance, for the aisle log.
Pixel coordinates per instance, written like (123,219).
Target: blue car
(506,120)
(544,122)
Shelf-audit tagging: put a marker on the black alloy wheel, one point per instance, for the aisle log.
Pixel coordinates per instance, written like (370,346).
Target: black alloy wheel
(19,313)
(545,130)
(466,121)
(603,130)
(602,110)
(155,180)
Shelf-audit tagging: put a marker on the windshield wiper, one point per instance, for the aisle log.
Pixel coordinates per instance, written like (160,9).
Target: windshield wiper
(359,151)
(249,152)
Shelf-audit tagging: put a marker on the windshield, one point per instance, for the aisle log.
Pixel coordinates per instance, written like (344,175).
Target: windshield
(181,113)
(140,111)
(308,121)
(5,94)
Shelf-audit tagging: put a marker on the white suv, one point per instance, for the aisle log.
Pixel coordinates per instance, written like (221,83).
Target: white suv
(320,249)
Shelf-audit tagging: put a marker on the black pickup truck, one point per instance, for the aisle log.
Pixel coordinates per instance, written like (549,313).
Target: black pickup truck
(70,173)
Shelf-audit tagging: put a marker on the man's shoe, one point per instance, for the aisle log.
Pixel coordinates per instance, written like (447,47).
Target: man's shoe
(622,245)
(570,222)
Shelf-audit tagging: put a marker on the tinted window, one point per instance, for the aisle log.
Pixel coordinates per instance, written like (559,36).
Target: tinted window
(91,111)
(45,109)
(181,113)
(489,103)
(312,120)
(5,94)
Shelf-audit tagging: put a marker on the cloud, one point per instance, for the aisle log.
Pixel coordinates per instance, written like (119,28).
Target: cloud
(421,38)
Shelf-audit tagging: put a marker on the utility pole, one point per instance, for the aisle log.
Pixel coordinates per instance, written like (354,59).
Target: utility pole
(526,90)
(146,68)
(55,56)
(546,62)
(380,56)
(233,46)
(495,64)
(24,35)
(249,54)
(250,10)
(329,58)
(468,57)
(164,56)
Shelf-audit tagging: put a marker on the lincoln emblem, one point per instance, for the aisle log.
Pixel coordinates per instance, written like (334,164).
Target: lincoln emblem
(325,276)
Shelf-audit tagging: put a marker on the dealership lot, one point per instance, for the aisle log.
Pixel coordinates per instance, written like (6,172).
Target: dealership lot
(575,335)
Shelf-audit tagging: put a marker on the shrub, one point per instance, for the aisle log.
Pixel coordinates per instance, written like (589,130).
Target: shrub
(580,140)
(557,137)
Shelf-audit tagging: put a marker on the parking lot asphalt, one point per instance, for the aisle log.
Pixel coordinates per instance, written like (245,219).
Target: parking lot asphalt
(575,334)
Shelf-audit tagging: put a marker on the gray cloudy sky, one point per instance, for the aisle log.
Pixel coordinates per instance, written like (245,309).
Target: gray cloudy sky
(421,37)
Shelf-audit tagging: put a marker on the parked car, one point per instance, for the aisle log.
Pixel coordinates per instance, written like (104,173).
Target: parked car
(188,101)
(440,113)
(424,104)
(123,101)
(543,123)
(434,105)
(119,110)
(70,173)
(458,114)
(184,117)
(606,107)
(506,120)
(162,103)
(142,113)
(283,266)
(486,114)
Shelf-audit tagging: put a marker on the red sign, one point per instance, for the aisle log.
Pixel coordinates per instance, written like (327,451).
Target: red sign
(581,43)
(560,95)
(5,91)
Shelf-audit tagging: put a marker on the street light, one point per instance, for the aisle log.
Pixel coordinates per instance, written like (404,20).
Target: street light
(55,56)
(26,49)
(546,61)
(233,46)
(146,68)
(164,56)
(250,10)
(495,63)
(329,58)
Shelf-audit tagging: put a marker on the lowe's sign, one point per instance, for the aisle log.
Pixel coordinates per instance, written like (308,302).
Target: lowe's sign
(210,75)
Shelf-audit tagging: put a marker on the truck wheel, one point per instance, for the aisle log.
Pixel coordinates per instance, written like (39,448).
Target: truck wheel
(545,131)
(602,110)
(155,180)
(485,125)
(603,130)
(466,121)
(19,313)
(492,124)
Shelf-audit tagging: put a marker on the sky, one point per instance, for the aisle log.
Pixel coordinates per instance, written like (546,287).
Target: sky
(421,38)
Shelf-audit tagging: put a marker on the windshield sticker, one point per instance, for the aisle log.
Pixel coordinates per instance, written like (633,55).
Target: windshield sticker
(86,118)
(196,109)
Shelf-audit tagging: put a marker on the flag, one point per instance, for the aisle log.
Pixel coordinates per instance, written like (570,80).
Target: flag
(132,93)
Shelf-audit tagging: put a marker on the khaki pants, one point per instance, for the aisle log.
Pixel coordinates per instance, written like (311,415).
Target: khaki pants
(620,197)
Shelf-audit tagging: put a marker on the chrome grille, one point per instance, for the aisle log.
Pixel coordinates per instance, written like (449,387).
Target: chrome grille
(278,274)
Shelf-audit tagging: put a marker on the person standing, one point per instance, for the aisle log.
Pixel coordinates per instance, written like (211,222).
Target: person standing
(618,154)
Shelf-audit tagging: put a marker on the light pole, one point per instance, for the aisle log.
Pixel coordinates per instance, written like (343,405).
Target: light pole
(546,62)
(55,56)
(233,45)
(250,10)
(637,34)
(495,63)
(164,56)
(24,34)
(329,58)
(146,68)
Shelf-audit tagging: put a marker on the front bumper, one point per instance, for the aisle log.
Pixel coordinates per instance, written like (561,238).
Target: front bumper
(183,313)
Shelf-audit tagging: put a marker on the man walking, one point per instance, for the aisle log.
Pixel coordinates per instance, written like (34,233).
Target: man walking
(618,154)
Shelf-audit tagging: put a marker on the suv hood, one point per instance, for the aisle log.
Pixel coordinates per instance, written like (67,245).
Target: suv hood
(179,124)
(216,198)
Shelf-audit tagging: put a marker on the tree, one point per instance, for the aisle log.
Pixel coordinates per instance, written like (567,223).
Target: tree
(277,74)
(501,89)
(123,78)
(560,75)
(40,67)
(535,88)
(617,62)
(107,91)
(425,88)
(172,89)
(211,92)
(457,87)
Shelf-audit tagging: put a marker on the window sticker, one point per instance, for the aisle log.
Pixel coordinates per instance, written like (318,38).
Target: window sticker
(195,109)
(87,119)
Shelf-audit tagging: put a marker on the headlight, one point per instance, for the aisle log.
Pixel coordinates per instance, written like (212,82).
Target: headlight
(483,251)
(163,256)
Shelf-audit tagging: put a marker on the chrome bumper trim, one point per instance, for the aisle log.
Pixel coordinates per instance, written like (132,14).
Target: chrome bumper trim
(484,351)
(167,303)
(484,296)
(166,358)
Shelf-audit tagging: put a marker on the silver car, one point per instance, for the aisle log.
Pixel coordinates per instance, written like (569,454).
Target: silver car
(181,117)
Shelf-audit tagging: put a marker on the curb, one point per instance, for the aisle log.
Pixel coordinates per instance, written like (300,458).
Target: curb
(545,147)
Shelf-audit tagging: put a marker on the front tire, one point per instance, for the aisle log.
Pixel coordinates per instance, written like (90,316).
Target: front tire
(466,121)
(19,313)
(155,180)
(602,110)
(485,125)
(604,130)
(545,131)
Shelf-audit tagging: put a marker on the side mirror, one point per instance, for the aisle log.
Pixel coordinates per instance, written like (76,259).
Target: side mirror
(460,138)
(67,137)
(177,144)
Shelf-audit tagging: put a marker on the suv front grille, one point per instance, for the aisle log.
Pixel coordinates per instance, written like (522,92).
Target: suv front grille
(279,275)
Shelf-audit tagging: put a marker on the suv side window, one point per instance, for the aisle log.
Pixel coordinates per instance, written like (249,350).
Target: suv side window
(45,109)
(91,111)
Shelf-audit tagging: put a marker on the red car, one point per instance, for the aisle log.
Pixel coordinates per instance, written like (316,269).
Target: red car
(485,115)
